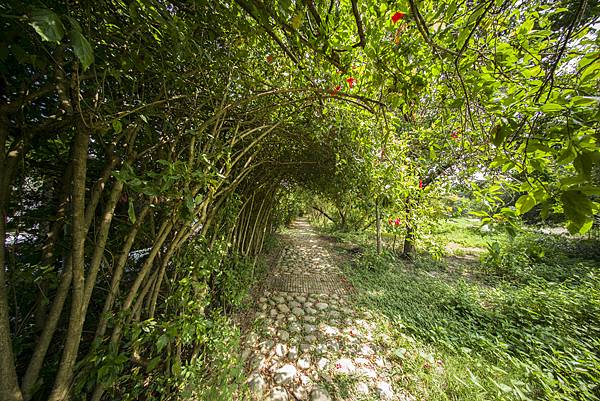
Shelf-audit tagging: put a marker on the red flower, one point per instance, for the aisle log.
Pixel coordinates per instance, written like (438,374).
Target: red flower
(338,365)
(397,16)
(454,135)
(397,221)
(420,184)
(390,222)
(269,59)
(335,90)
(351,81)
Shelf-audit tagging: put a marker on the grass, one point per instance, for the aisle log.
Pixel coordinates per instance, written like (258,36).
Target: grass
(523,325)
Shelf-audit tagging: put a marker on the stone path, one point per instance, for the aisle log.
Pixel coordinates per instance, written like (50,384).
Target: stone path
(308,341)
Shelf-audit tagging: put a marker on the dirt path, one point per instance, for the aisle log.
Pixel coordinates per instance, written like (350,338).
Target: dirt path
(308,342)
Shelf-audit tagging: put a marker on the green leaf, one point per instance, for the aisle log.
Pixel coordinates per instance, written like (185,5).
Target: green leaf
(578,209)
(585,162)
(161,342)
(499,133)
(82,48)
(551,107)
(505,388)
(47,24)
(153,363)
(525,203)
(117,126)
(131,212)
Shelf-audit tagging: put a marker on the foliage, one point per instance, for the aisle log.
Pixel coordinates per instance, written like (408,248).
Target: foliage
(129,130)
(460,339)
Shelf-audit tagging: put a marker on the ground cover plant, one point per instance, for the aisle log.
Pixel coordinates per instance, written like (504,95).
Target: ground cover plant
(526,329)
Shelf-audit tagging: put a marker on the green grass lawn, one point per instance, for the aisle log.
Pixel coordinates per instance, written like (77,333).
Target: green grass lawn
(523,325)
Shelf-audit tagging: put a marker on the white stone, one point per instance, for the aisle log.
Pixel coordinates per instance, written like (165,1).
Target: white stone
(284,374)
(361,361)
(310,319)
(284,335)
(304,362)
(304,379)
(319,394)
(321,306)
(298,312)
(362,388)
(331,331)
(278,394)
(283,308)
(368,372)
(366,350)
(280,350)
(344,365)
(385,391)
(300,393)
(256,383)
(322,364)
(310,338)
(309,328)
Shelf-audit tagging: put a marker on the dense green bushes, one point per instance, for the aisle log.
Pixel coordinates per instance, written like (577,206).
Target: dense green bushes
(190,347)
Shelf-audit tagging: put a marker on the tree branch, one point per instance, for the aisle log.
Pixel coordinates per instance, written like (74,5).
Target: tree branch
(359,25)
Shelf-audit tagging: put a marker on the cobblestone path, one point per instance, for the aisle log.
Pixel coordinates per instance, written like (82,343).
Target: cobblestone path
(308,342)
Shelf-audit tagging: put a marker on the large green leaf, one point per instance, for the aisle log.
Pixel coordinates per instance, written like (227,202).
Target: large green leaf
(47,24)
(82,48)
(578,209)
(525,203)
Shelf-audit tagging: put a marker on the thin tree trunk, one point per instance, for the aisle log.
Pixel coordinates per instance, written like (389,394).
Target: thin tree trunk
(9,386)
(65,370)
(42,345)
(118,272)
(378,225)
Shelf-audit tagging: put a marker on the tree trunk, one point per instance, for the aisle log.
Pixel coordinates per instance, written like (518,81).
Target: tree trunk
(378,225)
(9,386)
(409,246)
(64,375)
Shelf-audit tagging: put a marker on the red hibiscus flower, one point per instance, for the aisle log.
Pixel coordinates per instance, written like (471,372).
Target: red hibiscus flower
(351,81)
(397,221)
(420,184)
(397,16)
(335,90)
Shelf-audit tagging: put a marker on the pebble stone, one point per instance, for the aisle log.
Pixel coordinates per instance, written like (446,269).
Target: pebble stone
(319,394)
(285,374)
(304,340)
(278,394)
